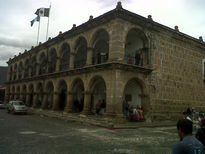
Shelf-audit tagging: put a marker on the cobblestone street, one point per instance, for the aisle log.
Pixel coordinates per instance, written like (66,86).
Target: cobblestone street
(36,134)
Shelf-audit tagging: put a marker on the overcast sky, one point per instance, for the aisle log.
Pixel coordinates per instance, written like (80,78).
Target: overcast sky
(16,34)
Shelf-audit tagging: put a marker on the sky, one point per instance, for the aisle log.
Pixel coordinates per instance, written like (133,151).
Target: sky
(16,34)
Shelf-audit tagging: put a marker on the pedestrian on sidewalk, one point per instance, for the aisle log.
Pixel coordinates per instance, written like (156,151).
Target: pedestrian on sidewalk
(188,144)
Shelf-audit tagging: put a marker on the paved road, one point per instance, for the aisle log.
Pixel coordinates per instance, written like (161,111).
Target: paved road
(32,134)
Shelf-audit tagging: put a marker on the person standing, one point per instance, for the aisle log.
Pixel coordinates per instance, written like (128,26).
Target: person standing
(188,144)
(200,134)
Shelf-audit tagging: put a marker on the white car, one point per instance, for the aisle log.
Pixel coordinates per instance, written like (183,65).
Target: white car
(17,107)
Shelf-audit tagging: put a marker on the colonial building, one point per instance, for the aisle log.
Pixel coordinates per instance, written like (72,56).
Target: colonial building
(115,57)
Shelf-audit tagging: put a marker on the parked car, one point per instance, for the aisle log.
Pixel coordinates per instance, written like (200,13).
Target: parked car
(17,107)
(2,105)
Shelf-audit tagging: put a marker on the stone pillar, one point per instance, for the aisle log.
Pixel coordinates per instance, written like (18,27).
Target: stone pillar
(116,43)
(69,103)
(21,95)
(72,57)
(37,69)
(17,74)
(35,100)
(114,96)
(89,56)
(45,101)
(87,103)
(57,64)
(56,101)
(29,71)
(15,95)
(28,98)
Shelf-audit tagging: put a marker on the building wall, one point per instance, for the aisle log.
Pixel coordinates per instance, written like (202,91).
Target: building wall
(177,80)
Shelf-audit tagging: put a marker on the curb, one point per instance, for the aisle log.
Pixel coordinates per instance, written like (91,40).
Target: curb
(94,122)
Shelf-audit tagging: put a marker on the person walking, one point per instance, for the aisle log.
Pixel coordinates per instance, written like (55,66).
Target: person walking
(188,144)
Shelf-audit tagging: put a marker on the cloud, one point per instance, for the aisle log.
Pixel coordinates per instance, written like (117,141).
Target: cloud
(14,42)
(8,52)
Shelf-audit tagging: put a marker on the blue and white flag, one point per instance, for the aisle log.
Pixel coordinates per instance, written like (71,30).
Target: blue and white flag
(35,19)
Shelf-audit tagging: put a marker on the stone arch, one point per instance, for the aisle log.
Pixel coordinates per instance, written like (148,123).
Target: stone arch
(39,95)
(80,52)
(15,71)
(62,89)
(18,92)
(64,56)
(26,68)
(136,47)
(52,59)
(50,93)
(100,44)
(135,93)
(43,63)
(33,65)
(24,93)
(20,70)
(77,87)
(97,87)
(31,95)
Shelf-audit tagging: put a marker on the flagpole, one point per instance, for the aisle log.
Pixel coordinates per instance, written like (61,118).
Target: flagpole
(38,30)
(48,22)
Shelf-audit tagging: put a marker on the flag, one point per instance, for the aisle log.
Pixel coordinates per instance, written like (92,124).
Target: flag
(35,19)
(43,12)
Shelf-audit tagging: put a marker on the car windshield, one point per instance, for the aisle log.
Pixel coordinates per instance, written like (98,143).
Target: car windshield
(18,103)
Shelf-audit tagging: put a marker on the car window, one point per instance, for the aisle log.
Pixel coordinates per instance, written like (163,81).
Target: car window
(18,103)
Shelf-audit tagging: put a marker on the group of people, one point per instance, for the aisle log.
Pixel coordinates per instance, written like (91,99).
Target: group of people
(190,144)
(133,113)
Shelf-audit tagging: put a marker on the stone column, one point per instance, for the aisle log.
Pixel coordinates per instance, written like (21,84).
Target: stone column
(35,100)
(56,101)
(116,43)
(87,103)
(29,71)
(21,95)
(57,64)
(37,69)
(69,103)
(12,76)
(17,74)
(28,98)
(72,57)
(114,96)
(89,56)
(45,101)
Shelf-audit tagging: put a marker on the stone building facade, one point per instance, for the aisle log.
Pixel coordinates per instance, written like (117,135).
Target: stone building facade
(114,57)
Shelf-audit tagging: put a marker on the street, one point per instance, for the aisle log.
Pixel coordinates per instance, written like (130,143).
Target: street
(33,134)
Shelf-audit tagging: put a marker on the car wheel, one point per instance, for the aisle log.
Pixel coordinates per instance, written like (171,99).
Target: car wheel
(8,111)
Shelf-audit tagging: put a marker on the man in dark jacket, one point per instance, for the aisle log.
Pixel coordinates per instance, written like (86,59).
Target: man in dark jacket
(188,144)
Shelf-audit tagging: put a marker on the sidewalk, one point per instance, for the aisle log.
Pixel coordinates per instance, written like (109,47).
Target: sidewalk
(99,120)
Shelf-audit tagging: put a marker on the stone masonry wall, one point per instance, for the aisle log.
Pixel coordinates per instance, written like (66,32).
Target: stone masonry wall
(177,76)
